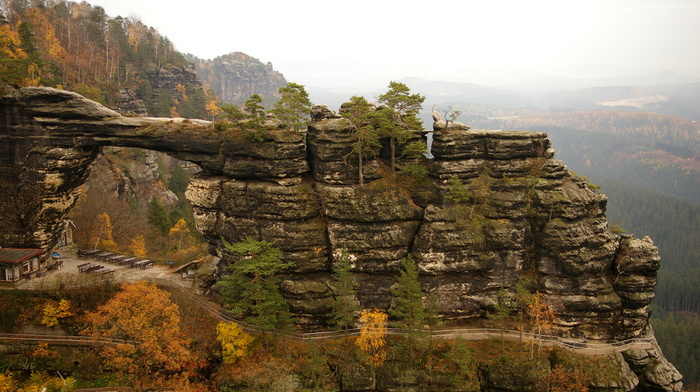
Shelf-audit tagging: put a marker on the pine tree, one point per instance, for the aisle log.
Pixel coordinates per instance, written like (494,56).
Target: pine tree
(294,107)
(358,111)
(251,290)
(402,109)
(409,311)
(344,305)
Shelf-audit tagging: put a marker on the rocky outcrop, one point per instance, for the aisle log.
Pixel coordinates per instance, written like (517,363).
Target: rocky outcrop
(129,104)
(524,218)
(236,76)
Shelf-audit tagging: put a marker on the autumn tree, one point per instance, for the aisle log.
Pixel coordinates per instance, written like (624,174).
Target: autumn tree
(235,342)
(53,312)
(372,340)
(360,114)
(251,289)
(11,54)
(344,305)
(567,380)
(180,236)
(138,246)
(148,323)
(541,316)
(293,109)
(401,111)
(104,232)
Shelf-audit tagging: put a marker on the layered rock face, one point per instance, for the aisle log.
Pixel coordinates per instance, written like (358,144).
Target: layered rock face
(526,218)
(236,76)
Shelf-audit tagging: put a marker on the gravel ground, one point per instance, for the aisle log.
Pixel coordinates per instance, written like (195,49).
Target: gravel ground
(69,274)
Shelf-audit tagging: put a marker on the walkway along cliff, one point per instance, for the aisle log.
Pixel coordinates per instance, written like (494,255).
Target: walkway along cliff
(527,217)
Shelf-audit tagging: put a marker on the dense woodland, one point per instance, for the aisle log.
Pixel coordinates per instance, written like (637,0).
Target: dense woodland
(76,46)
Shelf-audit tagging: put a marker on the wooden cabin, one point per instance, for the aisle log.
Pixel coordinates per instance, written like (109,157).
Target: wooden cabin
(18,263)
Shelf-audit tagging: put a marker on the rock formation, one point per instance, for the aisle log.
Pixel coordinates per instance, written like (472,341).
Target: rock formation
(527,218)
(236,76)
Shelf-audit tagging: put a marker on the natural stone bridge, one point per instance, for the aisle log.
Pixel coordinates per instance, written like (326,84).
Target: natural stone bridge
(528,217)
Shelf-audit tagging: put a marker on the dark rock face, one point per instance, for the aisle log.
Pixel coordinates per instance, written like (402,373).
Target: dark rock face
(527,218)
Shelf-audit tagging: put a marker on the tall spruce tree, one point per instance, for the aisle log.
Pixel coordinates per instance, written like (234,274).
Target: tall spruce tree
(251,290)
(409,311)
(344,306)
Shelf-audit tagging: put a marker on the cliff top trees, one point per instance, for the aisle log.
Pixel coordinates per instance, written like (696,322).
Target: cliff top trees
(294,107)
(360,114)
(402,107)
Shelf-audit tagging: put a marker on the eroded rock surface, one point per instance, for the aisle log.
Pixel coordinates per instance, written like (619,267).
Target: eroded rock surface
(527,219)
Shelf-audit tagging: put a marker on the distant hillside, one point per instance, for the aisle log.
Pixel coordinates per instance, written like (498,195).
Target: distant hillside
(655,152)
(673,99)
(77,47)
(236,76)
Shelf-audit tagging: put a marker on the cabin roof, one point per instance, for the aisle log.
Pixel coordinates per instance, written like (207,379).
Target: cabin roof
(17,255)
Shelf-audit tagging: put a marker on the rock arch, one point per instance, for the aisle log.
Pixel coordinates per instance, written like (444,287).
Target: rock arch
(533,218)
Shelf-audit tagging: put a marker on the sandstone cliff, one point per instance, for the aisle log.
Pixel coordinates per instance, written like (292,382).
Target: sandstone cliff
(528,218)
(236,76)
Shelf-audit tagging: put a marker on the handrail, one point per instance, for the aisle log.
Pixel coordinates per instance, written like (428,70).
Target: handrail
(583,346)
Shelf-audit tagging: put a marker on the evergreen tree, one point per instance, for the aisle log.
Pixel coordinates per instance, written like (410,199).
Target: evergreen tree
(402,109)
(255,120)
(358,111)
(344,305)
(409,312)
(251,290)
(294,107)
(158,216)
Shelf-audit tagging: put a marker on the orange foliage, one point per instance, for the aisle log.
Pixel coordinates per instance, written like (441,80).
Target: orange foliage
(149,323)
(562,380)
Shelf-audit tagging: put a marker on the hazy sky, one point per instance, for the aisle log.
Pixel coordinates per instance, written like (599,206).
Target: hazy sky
(341,42)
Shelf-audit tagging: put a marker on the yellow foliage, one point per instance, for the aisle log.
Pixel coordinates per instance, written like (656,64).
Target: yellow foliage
(10,44)
(7,383)
(235,342)
(52,313)
(372,340)
(138,246)
(104,232)
(213,108)
(42,350)
(41,382)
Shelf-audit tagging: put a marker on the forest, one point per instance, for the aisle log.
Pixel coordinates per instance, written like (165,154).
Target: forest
(77,47)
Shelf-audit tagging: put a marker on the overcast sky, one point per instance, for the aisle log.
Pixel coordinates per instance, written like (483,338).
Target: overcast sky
(340,42)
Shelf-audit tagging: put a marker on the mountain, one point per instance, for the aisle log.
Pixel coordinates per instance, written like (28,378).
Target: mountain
(236,76)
